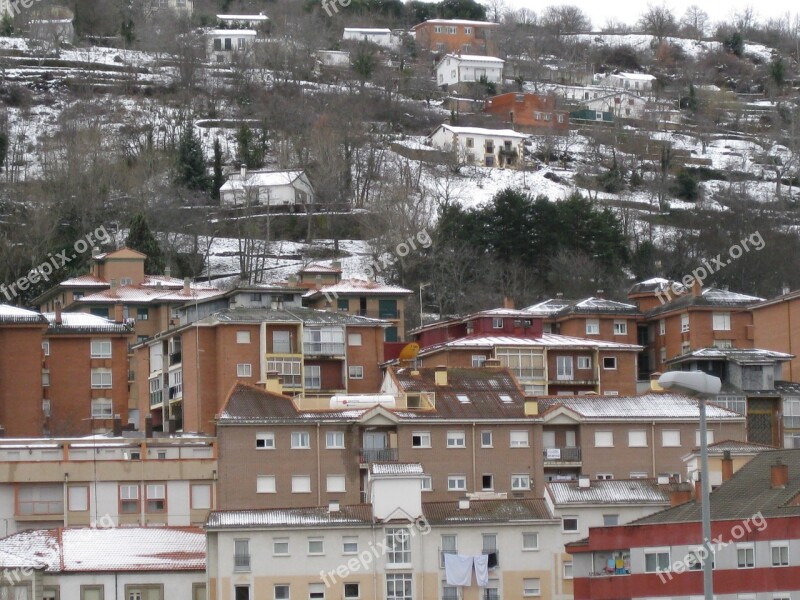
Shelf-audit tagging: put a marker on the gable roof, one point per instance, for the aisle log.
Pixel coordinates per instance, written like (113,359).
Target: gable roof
(740,356)
(558,307)
(83,323)
(261,178)
(546,340)
(505,133)
(487,511)
(13,315)
(709,297)
(358,286)
(614,491)
(734,447)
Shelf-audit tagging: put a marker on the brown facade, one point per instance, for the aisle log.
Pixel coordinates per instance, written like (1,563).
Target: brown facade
(576,326)
(529,112)
(776,326)
(21,361)
(467,37)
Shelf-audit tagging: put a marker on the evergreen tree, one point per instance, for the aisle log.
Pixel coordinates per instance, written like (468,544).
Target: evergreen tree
(191,163)
(217,181)
(252,148)
(142,239)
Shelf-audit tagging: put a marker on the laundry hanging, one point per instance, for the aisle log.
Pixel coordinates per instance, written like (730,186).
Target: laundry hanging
(458,569)
(482,570)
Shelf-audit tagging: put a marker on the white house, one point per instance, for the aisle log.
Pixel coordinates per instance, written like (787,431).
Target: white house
(333,58)
(224,44)
(622,104)
(455,68)
(381,37)
(179,6)
(259,21)
(639,82)
(267,188)
(95,563)
(477,146)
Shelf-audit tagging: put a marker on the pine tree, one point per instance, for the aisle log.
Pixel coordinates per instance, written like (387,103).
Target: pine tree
(142,239)
(217,181)
(191,163)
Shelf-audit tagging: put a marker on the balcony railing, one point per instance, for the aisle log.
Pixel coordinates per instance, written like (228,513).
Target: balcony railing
(371,455)
(324,348)
(566,454)
(174,358)
(386,313)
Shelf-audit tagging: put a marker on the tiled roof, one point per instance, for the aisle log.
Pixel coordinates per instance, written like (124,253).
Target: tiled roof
(614,491)
(649,286)
(320,268)
(735,447)
(547,307)
(787,388)
(546,340)
(599,305)
(247,402)
(395,469)
(634,408)
(12,315)
(487,511)
(318,516)
(76,549)
(710,297)
(141,294)
(358,286)
(741,356)
(82,281)
(747,493)
(84,322)
(174,283)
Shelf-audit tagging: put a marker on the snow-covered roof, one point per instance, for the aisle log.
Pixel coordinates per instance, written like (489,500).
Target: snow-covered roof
(735,447)
(360,514)
(358,286)
(506,133)
(368,30)
(147,294)
(395,469)
(261,179)
(741,356)
(259,17)
(320,268)
(545,340)
(222,32)
(174,283)
(614,491)
(13,312)
(456,22)
(77,549)
(84,321)
(84,281)
(473,58)
(636,408)
(635,76)
(547,307)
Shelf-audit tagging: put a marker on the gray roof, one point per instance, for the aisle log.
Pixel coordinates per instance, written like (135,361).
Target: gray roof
(308,316)
(788,388)
(614,491)
(557,307)
(710,297)
(487,511)
(395,469)
(735,447)
(353,515)
(740,356)
(746,494)
(636,408)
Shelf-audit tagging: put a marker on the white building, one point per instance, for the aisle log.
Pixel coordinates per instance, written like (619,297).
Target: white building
(259,22)
(622,104)
(267,188)
(477,146)
(180,6)
(95,563)
(223,45)
(639,82)
(381,37)
(454,69)
(395,548)
(333,58)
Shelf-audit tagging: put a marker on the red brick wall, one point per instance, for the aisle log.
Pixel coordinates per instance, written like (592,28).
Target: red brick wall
(21,380)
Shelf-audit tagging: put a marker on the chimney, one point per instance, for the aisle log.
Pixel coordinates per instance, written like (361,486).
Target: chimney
(118,312)
(727,466)
(663,479)
(584,481)
(440,376)
(697,288)
(601,293)
(531,407)
(95,252)
(678,495)
(779,474)
(333,506)
(114,284)
(560,295)
(148,426)
(508,303)
(187,285)
(117,426)
(273,383)
(59,319)
(463,504)
(786,290)
(492,363)
(243,171)
(167,271)
(336,264)
(654,385)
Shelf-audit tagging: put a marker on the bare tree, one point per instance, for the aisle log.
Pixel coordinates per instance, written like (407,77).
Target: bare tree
(659,21)
(564,20)
(695,22)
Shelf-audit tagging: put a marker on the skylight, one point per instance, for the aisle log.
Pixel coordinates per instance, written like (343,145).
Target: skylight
(506,399)
(463,398)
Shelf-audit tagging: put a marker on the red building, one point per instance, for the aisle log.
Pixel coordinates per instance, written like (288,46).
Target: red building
(755,522)
(533,113)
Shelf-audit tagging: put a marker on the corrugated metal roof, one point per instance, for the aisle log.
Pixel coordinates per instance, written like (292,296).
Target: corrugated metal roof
(614,491)
(647,406)
(15,315)
(709,297)
(546,340)
(84,322)
(742,356)
(358,286)
(395,469)
(318,516)
(487,511)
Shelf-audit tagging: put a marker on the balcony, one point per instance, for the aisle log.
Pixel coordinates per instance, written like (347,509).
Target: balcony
(156,398)
(371,455)
(562,456)
(174,358)
(385,313)
(571,381)
(324,348)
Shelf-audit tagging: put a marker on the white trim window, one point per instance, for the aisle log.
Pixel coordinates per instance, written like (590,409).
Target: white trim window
(265,440)
(520,482)
(721,321)
(421,439)
(584,363)
(603,439)
(656,560)
(301,484)
(101,348)
(637,438)
(301,440)
(592,326)
(244,370)
(531,586)
(456,483)
(620,327)
(355,372)
(456,439)
(530,540)
(334,440)
(102,408)
(265,484)
(671,438)
(746,555)
(519,439)
(101,378)
(685,323)
(780,554)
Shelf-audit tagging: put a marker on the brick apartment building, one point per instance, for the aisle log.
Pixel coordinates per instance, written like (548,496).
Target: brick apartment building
(755,523)
(776,326)
(531,113)
(458,36)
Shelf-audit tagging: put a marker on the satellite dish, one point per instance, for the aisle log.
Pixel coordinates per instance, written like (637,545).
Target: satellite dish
(408,353)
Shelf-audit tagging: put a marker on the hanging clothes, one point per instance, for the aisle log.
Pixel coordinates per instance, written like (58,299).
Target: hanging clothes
(458,569)
(482,570)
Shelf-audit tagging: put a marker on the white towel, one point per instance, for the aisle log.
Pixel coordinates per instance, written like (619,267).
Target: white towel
(482,570)
(458,569)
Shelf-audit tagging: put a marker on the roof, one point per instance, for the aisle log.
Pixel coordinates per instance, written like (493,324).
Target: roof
(792,295)
(546,340)
(84,322)
(348,515)
(307,316)
(747,493)
(82,281)
(456,22)
(250,32)
(547,308)
(395,469)
(740,356)
(259,17)
(787,388)
(709,297)
(636,408)
(358,286)
(639,76)
(76,549)
(506,133)
(261,178)
(590,305)
(320,268)
(246,402)
(487,511)
(13,315)
(735,447)
(150,293)
(614,491)
(368,30)
(472,58)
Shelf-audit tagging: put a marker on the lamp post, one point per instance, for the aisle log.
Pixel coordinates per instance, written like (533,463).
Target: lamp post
(422,286)
(701,385)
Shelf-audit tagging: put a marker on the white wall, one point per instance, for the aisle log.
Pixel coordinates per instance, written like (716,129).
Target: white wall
(453,70)
(177,585)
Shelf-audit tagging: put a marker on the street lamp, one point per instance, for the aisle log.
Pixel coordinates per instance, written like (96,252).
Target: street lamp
(701,385)
(422,286)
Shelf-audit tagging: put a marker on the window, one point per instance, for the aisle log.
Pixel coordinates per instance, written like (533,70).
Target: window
(241,592)
(45,378)
(280,547)
(300,440)
(638,475)
(281,592)
(609,363)
(662,327)
(288,369)
(663,354)
(352,590)
(456,483)
(569,523)
(567,569)
(487,482)
(242,337)
(746,556)
(610,520)
(620,328)
(316,545)
(335,483)
(101,378)
(265,440)
(671,438)
(564,368)
(637,438)
(281,342)
(656,559)
(463,399)
(449,592)
(721,321)
(685,347)
(353,339)
(101,349)
(605,476)
(142,314)
(421,439)
(684,323)
(709,437)
(241,555)
(350,544)
(244,370)
(521,481)
(497,322)
(334,440)
(486,439)
(355,372)
(201,496)
(427,483)
(723,344)
(603,439)
(399,586)
(301,484)
(102,408)
(312,377)
(398,545)
(592,327)
(478,360)
(584,363)
(694,558)
(156,497)
(456,439)
(128,499)
(531,586)
(519,439)
(780,554)
(265,484)
(46,348)
(78,498)
(92,592)
(530,540)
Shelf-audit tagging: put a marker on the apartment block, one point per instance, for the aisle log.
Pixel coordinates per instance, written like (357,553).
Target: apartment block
(106,481)
(459,36)
(776,326)
(532,113)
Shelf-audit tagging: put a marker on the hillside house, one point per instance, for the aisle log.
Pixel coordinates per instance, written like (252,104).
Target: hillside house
(636,82)
(183,7)
(259,22)
(530,112)
(456,69)
(621,104)
(287,189)
(225,45)
(477,146)
(380,37)
(337,59)
(457,35)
